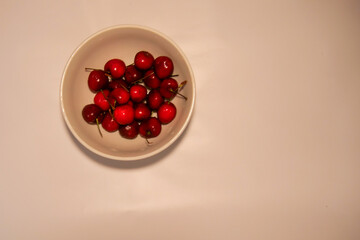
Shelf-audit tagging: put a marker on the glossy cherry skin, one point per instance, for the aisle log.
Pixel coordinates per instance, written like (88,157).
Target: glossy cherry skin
(121,95)
(129,131)
(143,60)
(154,99)
(166,112)
(150,128)
(124,114)
(151,80)
(109,123)
(101,99)
(117,83)
(90,112)
(164,67)
(168,88)
(142,112)
(116,67)
(138,93)
(97,80)
(132,74)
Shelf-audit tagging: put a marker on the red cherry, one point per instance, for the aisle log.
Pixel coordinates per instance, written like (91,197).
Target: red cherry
(97,80)
(168,88)
(151,80)
(122,101)
(154,99)
(132,74)
(138,93)
(124,114)
(116,67)
(90,112)
(109,123)
(166,112)
(164,67)
(130,131)
(142,112)
(101,99)
(143,60)
(121,95)
(150,128)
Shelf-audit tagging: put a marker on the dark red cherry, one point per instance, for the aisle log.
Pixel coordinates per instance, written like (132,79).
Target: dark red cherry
(132,74)
(143,60)
(112,101)
(150,128)
(151,80)
(109,123)
(121,95)
(142,112)
(124,114)
(154,99)
(116,67)
(130,103)
(129,131)
(90,112)
(166,112)
(101,117)
(168,88)
(117,83)
(164,67)
(138,93)
(97,80)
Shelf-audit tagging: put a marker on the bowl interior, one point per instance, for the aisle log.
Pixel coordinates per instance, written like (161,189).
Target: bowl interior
(122,42)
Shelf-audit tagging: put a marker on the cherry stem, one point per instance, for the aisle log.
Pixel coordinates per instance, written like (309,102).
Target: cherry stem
(96,69)
(107,99)
(141,79)
(98,126)
(147,141)
(92,69)
(111,114)
(181,86)
(124,87)
(176,92)
(148,133)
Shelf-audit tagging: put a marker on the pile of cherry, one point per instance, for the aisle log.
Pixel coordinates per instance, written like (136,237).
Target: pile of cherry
(134,99)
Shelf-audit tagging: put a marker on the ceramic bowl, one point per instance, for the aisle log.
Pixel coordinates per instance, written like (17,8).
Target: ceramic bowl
(122,42)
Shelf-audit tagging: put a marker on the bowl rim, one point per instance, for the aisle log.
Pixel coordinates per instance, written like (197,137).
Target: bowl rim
(137,157)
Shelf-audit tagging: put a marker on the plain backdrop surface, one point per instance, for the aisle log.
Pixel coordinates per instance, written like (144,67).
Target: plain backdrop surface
(272,150)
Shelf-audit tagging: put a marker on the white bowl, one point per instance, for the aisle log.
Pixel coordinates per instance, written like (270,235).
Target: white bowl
(122,42)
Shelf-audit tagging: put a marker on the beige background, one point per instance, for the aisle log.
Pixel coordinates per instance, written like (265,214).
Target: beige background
(272,151)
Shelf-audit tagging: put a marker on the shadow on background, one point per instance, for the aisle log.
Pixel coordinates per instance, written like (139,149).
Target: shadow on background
(127,164)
